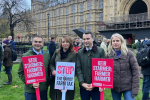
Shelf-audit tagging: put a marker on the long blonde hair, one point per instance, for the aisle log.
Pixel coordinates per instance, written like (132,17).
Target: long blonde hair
(124,49)
(68,39)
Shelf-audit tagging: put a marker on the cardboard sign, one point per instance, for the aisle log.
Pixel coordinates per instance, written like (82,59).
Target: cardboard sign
(65,72)
(102,73)
(34,70)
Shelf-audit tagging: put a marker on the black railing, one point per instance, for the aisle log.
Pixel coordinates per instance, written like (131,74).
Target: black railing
(21,49)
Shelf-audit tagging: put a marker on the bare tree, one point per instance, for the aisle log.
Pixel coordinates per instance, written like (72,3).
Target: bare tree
(15,12)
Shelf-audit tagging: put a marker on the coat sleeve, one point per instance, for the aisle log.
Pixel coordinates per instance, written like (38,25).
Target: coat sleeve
(6,52)
(52,63)
(21,73)
(78,70)
(135,74)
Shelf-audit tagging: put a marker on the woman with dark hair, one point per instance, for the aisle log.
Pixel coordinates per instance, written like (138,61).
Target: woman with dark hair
(65,53)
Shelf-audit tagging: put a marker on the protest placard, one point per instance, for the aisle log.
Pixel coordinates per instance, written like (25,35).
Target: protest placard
(34,70)
(64,79)
(102,74)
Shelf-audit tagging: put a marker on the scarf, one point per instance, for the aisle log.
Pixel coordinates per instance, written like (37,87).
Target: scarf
(64,54)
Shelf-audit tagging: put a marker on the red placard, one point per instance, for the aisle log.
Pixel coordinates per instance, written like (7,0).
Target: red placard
(102,73)
(34,70)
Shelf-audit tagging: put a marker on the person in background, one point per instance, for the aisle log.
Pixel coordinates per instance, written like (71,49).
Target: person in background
(138,45)
(81,44)
(99,41)
(11,42)
(37,45)
(145,41)
(84,67)
(65,53)
(76,45)
(104,45)
(52,46)
(126,77)
(1,59)
(7,61)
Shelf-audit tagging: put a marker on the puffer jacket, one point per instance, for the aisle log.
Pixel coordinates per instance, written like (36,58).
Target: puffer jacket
(125,72)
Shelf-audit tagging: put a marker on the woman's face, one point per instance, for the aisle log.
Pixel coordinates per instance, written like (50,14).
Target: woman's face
(116,43)
(65,44)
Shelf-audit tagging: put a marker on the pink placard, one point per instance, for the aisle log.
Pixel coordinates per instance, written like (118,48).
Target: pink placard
(102,73)
(34,70)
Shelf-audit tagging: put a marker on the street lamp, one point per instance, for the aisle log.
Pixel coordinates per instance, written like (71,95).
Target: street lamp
(48,26)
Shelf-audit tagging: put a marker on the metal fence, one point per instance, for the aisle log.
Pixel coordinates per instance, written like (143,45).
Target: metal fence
(21,49)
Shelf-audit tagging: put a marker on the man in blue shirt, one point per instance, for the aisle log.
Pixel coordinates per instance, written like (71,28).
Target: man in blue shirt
(11,42)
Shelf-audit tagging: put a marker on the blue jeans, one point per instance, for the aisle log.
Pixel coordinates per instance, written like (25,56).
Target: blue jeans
(94,94)
(8,70)
(0,66)
(146,87)
(32,96)
(117,95)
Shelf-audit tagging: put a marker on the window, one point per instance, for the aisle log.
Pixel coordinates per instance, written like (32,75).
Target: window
(60,30)
(34,7)
(40,16)
(81,7)
(55,13)
(73,9)
(100,4)
(67,20)
(73,19)
(55,22)
(60,12)
(60,21)
(49,23)
(40,24)
(49,14)
(89,28)
(89,17)
(72,28)
(67,11)
(67,30)
(82,27)
(45,32)
(40,32)
(49,31)
(89,5)
(81,19)
(34,25)
(45,24)
(34,32)
(55,31)
(100,16)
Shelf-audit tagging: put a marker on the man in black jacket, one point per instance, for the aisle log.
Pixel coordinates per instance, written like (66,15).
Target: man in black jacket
(52,46)
(146,79)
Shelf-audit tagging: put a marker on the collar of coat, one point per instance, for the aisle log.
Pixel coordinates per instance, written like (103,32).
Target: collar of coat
(94,48)
(114,56)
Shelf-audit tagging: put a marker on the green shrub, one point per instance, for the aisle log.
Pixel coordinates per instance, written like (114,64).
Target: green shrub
(134,46)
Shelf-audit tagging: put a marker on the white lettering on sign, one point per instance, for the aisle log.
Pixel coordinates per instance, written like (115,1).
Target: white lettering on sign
(32,60)
(102,63)
(103,68)
(31,75)
(36,69)
(102,73)
(37,64)
(99,78)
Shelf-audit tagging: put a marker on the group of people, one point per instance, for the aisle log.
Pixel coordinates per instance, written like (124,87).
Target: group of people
(125,67)
(6,57)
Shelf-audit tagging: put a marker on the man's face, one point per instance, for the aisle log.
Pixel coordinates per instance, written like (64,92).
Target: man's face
(77,41)
(37,43)
(9,38)
(54,40)
(87,40)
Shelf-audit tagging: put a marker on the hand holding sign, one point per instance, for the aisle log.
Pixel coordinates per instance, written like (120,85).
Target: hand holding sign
(36,85)
(54,72)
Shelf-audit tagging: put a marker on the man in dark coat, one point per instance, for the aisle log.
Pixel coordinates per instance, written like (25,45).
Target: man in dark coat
(7,62)
(139,45)
(1,58)
(52,46)
(146,79)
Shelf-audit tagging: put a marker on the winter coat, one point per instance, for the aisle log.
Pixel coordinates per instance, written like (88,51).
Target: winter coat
(104,46)
(13,44)
(7,61)
(125,72)
(43,85)
(138,46)
(84,63)
(1,53)
(56,58)
(51,48)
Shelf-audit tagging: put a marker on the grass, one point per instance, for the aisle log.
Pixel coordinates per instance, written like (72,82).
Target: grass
(11,93)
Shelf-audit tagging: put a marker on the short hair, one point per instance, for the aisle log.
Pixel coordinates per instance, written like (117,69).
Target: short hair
(37,37)
(53,37)
(89,32)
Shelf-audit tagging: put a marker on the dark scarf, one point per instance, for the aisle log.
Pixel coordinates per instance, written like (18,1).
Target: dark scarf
(64,54)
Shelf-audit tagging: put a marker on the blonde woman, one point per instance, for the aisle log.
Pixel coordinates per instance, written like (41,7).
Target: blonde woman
(126,69)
